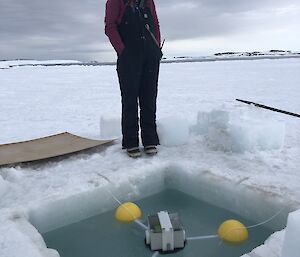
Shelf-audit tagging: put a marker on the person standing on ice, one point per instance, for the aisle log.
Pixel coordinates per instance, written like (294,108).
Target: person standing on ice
(133,29)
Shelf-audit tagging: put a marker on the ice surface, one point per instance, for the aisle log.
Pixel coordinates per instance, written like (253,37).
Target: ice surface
(110,127)
(27,111)
(246,129)
(271,247)
(291,244)
(173,131)
(18,234)
(12,175)
(3,186)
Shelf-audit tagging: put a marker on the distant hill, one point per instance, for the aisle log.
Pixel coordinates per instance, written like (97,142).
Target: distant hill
(272,54)
(223,56)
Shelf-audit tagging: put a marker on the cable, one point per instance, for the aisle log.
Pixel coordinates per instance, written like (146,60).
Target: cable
(248,227)
(195,237)
(138,222)
(155,254)
(201,237)
(266,221)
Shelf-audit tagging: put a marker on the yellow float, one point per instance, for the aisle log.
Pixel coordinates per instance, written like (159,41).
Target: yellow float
(233,231)
(128,212)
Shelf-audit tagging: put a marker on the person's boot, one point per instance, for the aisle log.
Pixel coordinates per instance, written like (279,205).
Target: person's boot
(134,152)
(150,149)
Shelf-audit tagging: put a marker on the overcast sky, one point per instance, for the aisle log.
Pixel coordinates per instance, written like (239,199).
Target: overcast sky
(74,29)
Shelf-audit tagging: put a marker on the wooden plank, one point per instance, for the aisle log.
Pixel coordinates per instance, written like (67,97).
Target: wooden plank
(46,147)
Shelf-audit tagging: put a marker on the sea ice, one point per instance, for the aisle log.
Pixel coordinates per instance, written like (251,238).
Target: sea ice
(238,131)
(291,243)
(173,131)
(249,135)
(110,127)
(18,234)
(184,89)
(3,186)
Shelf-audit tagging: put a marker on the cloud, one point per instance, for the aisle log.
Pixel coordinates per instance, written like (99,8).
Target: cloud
(74,29)
(30,28)
(206,18)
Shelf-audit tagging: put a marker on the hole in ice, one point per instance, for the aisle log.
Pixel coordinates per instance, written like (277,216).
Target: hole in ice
(102,235)
(85,225)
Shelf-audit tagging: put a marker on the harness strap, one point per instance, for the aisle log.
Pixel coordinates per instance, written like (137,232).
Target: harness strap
(141,5)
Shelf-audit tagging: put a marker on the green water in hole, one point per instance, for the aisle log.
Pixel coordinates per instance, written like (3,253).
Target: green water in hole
(102,235)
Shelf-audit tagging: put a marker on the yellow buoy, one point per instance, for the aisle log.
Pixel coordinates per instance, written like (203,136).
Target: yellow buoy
(128,212)
(233,231)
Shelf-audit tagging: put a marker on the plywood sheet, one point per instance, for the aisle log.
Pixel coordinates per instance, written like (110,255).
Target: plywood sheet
(46,147)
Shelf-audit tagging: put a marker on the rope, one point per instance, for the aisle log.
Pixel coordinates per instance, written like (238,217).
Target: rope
(138,222)
(155,254)
(201,237)
(229,231)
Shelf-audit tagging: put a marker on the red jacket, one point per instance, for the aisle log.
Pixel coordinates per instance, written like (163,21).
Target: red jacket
(113,17)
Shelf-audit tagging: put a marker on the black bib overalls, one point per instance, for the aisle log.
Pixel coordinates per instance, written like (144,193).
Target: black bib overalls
(138,68)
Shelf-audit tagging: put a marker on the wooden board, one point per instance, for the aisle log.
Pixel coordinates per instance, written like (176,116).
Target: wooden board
(46,147)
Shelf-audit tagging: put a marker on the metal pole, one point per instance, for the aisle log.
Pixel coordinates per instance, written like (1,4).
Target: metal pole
(269,108)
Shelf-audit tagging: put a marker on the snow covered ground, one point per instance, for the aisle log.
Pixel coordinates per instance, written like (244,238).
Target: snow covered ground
(202,128)
(11,63)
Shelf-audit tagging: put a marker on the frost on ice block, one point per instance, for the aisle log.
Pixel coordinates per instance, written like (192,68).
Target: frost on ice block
(46,147)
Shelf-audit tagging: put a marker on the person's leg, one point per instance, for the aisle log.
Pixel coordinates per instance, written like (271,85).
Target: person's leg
(147,100)
(129,77)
